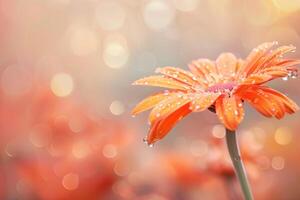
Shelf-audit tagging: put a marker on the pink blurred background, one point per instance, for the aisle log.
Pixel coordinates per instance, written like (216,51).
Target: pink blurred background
(66,68)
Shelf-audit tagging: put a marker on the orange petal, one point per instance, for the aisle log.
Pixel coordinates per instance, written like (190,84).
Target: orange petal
(230,111)
(150,102)
(162,126)
(257,99)
(178,74)
(161,81)
(277,72)
(205,69)
(252,61)
(168,106)
(226,64)
(203,101)
(290,105)
(256,79)
(268,101)
(239,66)
(271,59)
(287,62)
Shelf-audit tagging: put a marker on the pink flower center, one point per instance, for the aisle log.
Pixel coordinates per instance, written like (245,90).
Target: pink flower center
(221,87)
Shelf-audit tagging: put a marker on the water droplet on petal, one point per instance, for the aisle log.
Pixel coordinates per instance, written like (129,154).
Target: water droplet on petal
(150,145)
(158,70)
(145,140)
(285,78)
(255,100)
(293,74)
(236,112)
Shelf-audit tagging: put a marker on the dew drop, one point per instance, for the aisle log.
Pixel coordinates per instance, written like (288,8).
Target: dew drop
(145,140)
(293,74)
(166,92)
(255,100)
(150,145)
(158,70)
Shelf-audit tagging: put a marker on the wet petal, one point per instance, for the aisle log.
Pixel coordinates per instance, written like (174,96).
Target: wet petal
(161,81)
(290,105)
(230,111)
(252,61)
(287,63)
(178,74)
(202,101)
(277,72)
(256,79)
(271,59)
(269,102)
(163,125)
(238,68)
(206,70)
(226,64)
(168,106)
(150,102)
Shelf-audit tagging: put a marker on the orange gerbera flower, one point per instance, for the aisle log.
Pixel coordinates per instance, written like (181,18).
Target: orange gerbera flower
(222,85)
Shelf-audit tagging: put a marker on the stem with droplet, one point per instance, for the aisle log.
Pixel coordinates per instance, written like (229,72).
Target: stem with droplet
(234,153)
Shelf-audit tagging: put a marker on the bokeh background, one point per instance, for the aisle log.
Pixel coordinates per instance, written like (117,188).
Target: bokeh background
(66,68)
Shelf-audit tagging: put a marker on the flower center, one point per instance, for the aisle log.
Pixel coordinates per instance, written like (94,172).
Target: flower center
(221,87)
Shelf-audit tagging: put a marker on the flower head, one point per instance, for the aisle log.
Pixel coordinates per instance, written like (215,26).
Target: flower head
(223,85)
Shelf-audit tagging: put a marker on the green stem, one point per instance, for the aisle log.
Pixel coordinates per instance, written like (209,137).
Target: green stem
(234,152)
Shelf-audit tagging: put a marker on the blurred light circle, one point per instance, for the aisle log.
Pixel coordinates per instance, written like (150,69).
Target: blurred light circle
(283,136)
(258,12)
(255,138)
(16,80)
(121,188)
(158,14)
(115,54)
(110,15)
(121,169)
(116,108)
(218,131)
(83,41)
(55,150)
(287,5)
(277,163)
(62,84)
(80,149)
(70,181)
(109,151)
(10,149)
(77,124)
(40,135)
(186,5)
